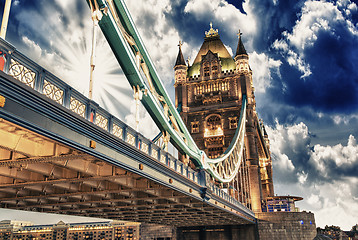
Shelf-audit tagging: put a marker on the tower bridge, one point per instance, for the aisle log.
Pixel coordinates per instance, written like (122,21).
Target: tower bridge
(60,152)
(55,160)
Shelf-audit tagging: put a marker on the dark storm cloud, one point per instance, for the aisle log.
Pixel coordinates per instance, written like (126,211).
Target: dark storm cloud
(183,22)
(273,19)
(333,58)
(333,84)
(238,4)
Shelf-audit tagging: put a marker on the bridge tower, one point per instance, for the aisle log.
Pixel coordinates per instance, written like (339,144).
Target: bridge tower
(210,97)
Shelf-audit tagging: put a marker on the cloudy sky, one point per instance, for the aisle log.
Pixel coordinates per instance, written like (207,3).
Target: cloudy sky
(304,57)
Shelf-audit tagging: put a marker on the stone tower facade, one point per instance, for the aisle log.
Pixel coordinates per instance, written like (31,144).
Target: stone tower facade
(209,94)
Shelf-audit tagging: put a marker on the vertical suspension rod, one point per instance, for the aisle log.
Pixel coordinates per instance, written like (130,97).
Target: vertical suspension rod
(5,19)
(96,17)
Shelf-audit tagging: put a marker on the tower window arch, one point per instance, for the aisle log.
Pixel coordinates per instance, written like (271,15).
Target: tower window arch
(213,122)
(232,122)
(195,127)
(213,126)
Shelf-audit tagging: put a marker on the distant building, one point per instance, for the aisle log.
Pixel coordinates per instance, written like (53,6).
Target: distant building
(335,233)
(281,204)
(110,230)
(8,227)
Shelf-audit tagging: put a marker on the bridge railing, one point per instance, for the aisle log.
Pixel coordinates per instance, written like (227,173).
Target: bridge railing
(34,76)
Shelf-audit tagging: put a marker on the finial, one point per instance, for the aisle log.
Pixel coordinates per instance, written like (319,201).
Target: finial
(180,44)
(212,32)
(239,33)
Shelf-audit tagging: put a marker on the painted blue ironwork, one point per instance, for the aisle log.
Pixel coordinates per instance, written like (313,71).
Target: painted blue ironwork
(128,48)
(198,178)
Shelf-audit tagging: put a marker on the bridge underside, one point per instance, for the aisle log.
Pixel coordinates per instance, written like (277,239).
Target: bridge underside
(39,174)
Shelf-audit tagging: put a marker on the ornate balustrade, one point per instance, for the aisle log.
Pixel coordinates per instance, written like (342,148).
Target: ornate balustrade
(34,76)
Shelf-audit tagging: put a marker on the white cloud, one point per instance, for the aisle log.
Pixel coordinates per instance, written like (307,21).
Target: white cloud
(345,119)
(35,48)
(159,36)
(146,125)
(339,155)
(64,3)
(315,17)
(262,67)
(302,177)
(332,203)
(225,14)
(314,200)
(322,178)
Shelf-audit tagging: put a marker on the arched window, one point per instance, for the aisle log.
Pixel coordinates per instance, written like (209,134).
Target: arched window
(213,122)
(232,122)
(195,127)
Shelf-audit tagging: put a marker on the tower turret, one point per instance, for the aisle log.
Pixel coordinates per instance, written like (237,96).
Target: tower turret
(180,68)
(243,67)
(241,57)
(252,149)
(180,71)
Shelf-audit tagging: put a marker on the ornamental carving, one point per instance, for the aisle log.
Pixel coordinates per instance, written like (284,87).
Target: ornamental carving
(77,107)
(53,92)
(101,121)
(22,73)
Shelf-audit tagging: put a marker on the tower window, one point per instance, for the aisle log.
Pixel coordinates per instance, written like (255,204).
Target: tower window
(206,71)
(195,127)
(214,70)
(213,126)
(232,122)
(224,86)
(215,152)
(213,122)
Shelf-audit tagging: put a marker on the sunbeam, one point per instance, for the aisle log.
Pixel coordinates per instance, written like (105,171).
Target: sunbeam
(65,50)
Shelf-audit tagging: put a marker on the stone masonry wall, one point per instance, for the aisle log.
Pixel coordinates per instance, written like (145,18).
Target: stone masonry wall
(286,225)
(153,231)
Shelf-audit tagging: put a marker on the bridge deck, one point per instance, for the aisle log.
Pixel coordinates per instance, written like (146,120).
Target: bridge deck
(55,160)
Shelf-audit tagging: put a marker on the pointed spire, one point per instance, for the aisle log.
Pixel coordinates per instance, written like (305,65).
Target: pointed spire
(180,59)
(240,50)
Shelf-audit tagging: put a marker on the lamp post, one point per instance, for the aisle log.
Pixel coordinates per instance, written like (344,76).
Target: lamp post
(5,18)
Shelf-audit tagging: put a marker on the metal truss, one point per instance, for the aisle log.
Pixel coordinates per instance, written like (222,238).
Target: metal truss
(60,179)
(129,50)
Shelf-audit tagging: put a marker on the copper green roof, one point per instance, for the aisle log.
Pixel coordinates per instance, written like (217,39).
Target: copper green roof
(214,44)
